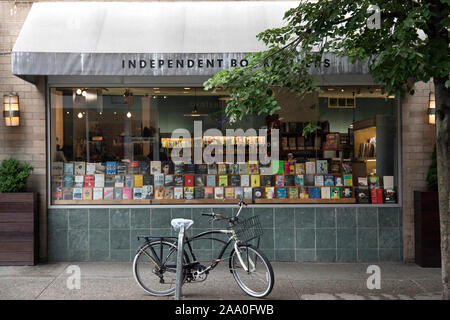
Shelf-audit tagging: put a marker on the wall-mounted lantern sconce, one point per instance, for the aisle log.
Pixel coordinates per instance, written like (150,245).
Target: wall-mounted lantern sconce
(431,109)
(11,111)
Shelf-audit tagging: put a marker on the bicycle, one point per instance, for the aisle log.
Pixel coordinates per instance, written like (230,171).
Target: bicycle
(154,265)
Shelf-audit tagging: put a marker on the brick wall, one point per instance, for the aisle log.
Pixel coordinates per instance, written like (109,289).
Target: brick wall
(418,139)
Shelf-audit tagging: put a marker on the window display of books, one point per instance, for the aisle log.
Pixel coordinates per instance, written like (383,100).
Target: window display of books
(160,182)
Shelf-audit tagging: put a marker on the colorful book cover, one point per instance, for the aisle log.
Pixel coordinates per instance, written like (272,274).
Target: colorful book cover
(245,180)
(257,193)
(78,181)
(212,168)
(222,168)
(57,192)
(347,192)
(129,181)
(279,180)
(300,168)
(310,167)
(167,167)
(265,170)
(127,193)
(325,192)
(291,168)
(97,193)
(169,180)
(178,180)
(133,167)
(159,193)
(239,193)
(303,193)
(199,180)
(178,167)
(110,180)
(90,168)
(189,180)
(268,181)
(138,180)
(155,167)
(390,196)
(235,180)
(111,167)
(243,168)
(178,193)
(348,180)
(147,192)
(100,168)
(335,166)
(189,193)
(318,180)
(223,181)
(87,193)
(289,180)
(270,192)
(347,167)
(218,193)
(68,182)
(286,167)
(253,167)
(292,192)
(388,182)
(67,194)
(209,192)
(373,195)
(314,192)
(99,180)
(118,194)
(321,166)
(57,168)
(299,180)
(68,168)
(229,192)
(281,193)
(122,168)
(77,194)
(211,180)
(374,182)
(362,195)
(277,167)
(338,181)
(168,193)
(199,193)
(331,141)
(328,180)
(108,193)
(362,182)
(255,180)
(248,193)
(158,179)
(89,181)
(119,181)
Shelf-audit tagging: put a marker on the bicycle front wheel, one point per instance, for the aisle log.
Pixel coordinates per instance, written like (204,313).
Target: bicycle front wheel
(252,271)
(154,267)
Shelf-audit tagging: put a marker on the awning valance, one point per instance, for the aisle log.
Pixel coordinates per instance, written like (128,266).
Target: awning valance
(147,38)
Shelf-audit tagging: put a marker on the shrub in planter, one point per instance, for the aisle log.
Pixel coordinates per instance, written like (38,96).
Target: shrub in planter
(14,175)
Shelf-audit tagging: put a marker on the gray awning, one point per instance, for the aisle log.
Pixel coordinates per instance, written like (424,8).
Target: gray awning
(147,39)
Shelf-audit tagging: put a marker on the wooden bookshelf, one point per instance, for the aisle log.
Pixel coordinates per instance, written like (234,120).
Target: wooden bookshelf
(305,201)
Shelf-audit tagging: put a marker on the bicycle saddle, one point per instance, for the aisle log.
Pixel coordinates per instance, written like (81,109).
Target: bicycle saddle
(177,223)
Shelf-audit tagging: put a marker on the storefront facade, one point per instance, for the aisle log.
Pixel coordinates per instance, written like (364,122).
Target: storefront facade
(99,114)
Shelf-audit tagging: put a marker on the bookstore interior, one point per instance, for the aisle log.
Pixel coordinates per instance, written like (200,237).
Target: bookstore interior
(114,146)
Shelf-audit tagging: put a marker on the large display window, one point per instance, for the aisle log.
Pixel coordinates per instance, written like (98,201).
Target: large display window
(173,146)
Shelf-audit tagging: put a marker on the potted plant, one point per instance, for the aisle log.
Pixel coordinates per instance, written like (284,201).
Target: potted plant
(308,130)
(426,220)
(18,215)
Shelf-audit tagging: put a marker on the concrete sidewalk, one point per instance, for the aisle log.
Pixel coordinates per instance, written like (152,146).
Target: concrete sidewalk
(305,281)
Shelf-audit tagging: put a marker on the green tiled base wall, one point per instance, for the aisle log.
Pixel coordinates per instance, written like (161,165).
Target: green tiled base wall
(325,234)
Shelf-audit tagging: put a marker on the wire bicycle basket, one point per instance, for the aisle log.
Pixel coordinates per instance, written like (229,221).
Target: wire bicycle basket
(248,229)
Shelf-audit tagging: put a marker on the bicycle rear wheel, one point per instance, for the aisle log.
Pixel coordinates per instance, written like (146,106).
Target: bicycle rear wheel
(259,279)
(154,267)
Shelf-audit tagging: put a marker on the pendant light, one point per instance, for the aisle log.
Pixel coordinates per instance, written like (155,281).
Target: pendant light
(195,112)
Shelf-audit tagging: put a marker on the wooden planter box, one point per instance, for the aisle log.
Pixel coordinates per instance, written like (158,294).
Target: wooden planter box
(426,229)
(18,229)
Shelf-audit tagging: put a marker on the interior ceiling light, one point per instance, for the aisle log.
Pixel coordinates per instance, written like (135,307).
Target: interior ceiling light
(195,112)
